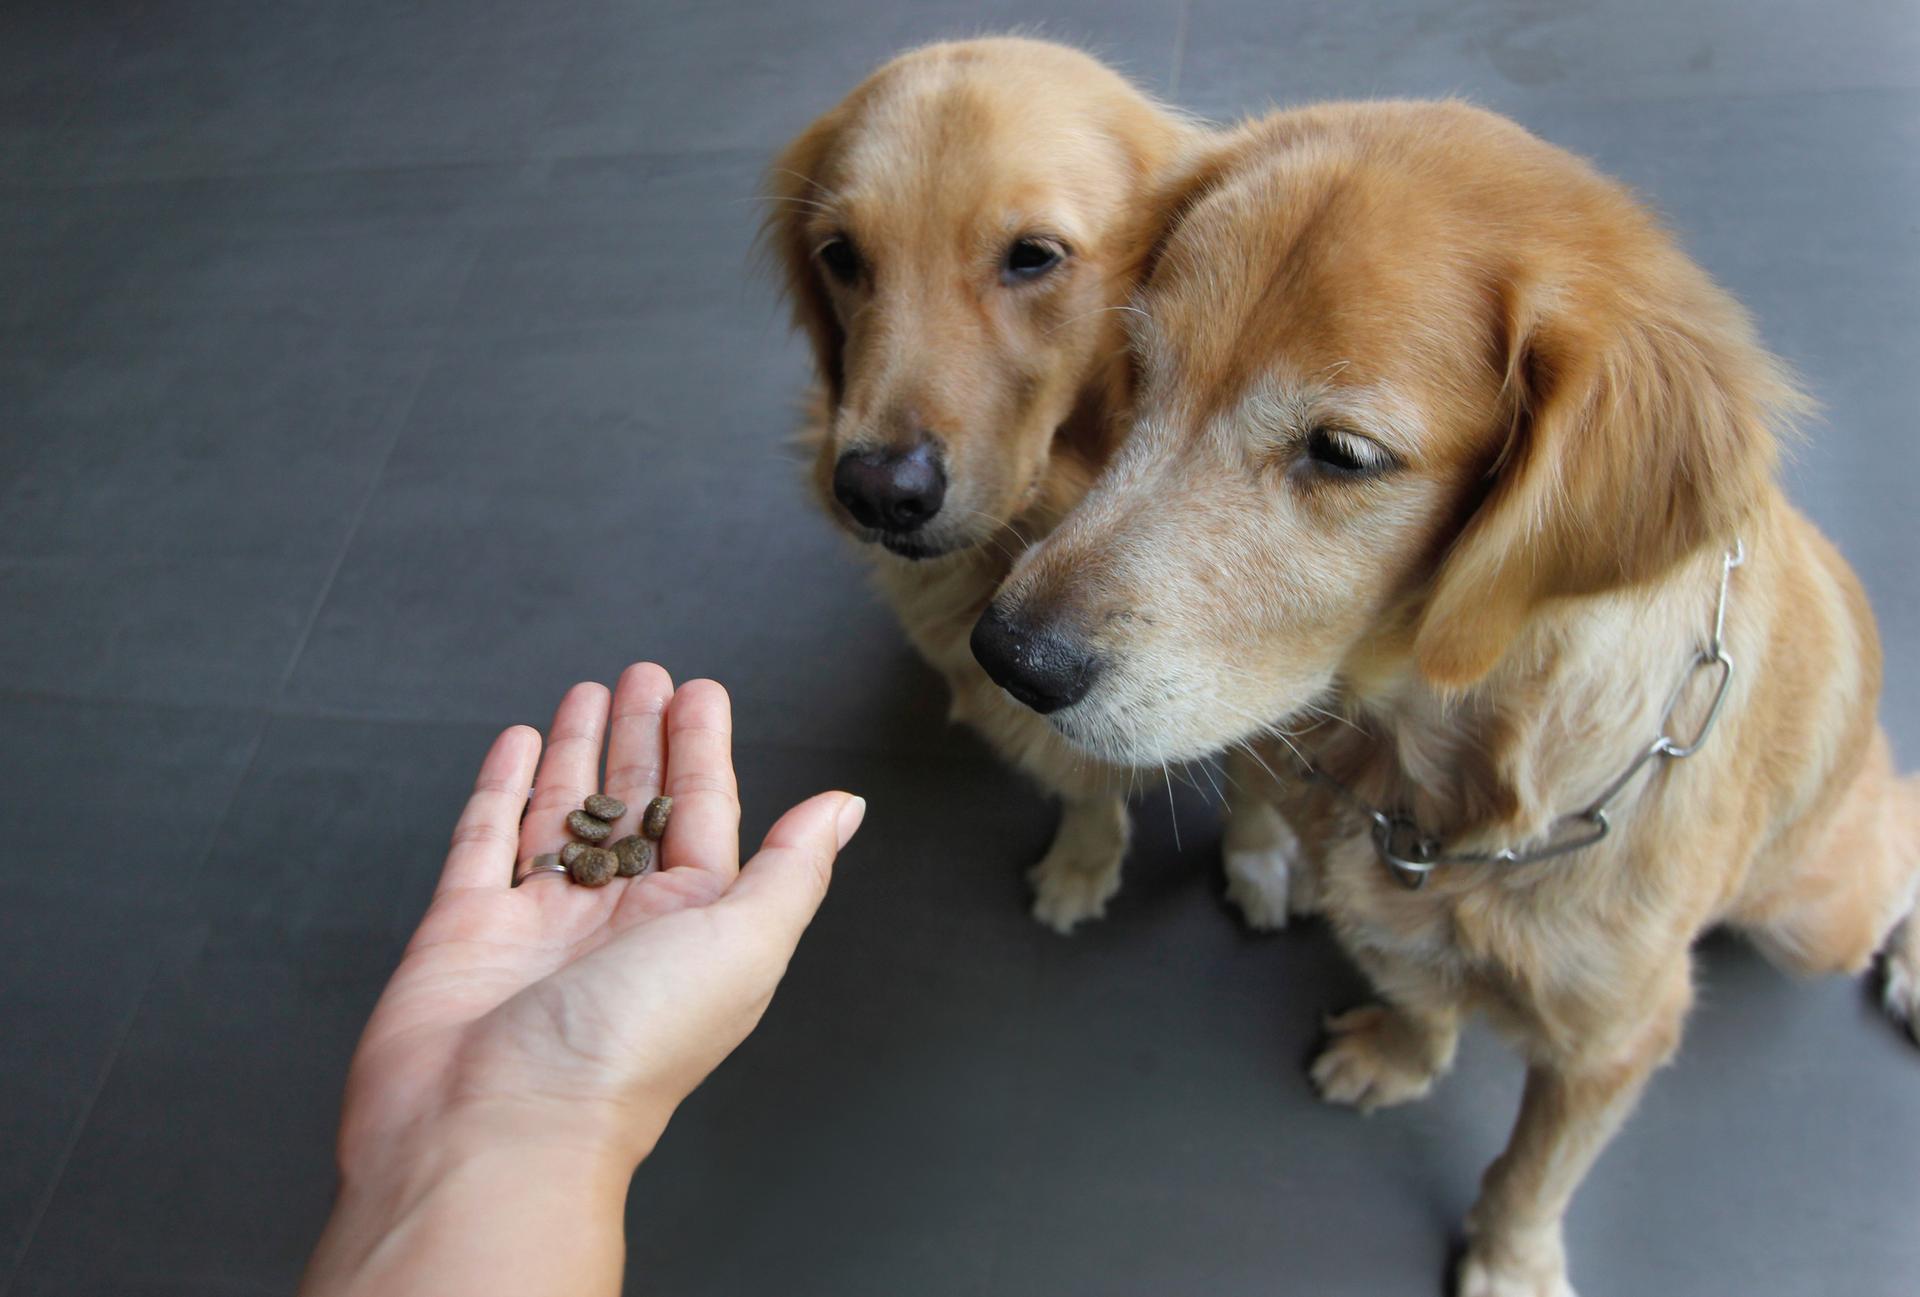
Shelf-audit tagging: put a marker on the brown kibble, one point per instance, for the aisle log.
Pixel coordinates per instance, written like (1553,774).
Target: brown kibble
(588,829)
(635,855)
(603,807)
(571,852)
(594,867)
(654,822)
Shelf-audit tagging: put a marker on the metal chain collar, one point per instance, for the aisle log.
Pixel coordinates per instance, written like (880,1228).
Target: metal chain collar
(1411,855)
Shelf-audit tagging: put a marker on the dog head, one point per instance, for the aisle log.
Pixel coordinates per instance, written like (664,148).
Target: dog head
(1405,376)
(951,238)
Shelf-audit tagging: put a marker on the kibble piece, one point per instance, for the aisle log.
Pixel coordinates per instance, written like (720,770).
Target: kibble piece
(594,867)
(588,829)
(571,852)
(654,822)
(635,855)
(603,807)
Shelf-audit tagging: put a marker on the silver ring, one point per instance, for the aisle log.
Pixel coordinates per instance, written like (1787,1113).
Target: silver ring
(547,864)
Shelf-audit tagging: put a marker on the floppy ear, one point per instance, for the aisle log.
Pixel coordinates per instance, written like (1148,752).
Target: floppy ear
(1201,163)
(1643,414)
(1198,162)
(793,188)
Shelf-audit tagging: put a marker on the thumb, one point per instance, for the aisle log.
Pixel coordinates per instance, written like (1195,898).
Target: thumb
(781,888)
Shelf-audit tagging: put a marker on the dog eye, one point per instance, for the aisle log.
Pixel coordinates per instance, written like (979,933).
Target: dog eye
(1342,454)
(838,256)
(1029,259)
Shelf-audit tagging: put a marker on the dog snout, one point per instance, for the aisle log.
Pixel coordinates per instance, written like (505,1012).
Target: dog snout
(1042,664)
(892,490)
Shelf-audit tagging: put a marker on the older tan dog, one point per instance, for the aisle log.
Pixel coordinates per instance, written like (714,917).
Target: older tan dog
(1439,433)
(954,237)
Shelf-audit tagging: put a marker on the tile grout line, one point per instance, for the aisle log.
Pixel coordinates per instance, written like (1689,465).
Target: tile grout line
(361,510)
(400,422)
(266,713)
(1018,1088)
(1179,49)
(1530,104)
(79,1127)
(272,711)
(721,154)
(131,702)
(112,1060)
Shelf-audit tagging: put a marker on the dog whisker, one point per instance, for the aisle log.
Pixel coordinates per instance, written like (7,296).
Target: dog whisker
(1172,813)
(809,182)
(1098,310)
(1206,768)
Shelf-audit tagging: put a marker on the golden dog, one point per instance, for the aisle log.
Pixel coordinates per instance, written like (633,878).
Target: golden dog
(955,239)
(1450,481)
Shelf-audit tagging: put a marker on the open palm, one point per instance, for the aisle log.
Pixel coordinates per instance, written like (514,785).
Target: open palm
(559,1008)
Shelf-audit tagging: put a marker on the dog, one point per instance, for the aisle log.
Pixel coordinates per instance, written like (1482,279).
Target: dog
(1449,488)
(954,238)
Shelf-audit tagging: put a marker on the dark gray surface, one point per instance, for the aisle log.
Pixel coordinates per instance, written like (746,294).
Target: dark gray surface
(340,344)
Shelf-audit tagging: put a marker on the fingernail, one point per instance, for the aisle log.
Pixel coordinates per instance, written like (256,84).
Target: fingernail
(847,822)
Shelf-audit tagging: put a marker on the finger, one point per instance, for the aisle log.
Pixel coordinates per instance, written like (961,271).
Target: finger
(569,769)
(486,841)
(637,740)
(781,888)
(704,830)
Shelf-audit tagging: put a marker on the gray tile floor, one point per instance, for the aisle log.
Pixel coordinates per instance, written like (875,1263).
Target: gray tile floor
(321,325)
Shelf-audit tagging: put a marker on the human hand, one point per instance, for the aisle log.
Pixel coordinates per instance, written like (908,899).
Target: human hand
(560,1014)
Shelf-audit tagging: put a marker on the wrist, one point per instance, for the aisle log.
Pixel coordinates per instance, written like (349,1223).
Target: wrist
(433,1159)
(471,1199)
(588,1138)
(479,1212)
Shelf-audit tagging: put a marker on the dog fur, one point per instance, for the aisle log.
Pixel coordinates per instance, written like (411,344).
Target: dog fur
(1561,425)
(931,167)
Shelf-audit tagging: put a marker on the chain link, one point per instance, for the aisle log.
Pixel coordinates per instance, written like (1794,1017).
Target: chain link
(1411,855)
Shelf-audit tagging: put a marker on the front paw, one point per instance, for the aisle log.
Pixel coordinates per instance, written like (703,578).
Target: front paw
(1487,1273)
(1081,871)
(1372,1061)
(1065,892)
(1900,989)
(1268,878)
(1258,884)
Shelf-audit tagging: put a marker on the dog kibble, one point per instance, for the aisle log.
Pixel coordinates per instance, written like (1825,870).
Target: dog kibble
(654,822)
(635,855)
(594,867)
(587,828)
(571,852)
(603,807)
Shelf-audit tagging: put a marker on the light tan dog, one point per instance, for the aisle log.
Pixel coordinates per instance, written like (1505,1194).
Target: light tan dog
(1438,432)
(955,239)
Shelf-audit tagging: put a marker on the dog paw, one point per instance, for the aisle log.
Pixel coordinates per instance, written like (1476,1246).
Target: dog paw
(1900,993)
(1369,1062)
(1483,1275)
(1257,884)
(1067,893)
(1267,877)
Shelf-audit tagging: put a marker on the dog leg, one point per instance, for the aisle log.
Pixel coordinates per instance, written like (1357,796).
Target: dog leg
(1571,1108)
(1081,871)
(1900,976)
(1382,1055)
(1856,893)
(1900,956)
(1269,875)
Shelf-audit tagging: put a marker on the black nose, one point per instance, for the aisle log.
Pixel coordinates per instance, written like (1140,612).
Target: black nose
(891,490)
(1041,666)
